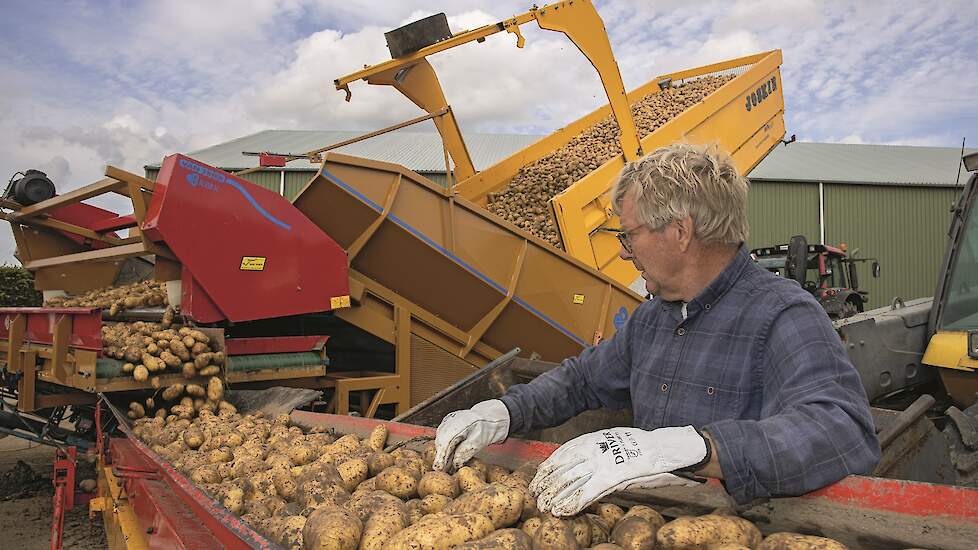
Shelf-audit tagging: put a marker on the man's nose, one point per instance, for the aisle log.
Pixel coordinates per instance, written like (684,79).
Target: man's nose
(624,254)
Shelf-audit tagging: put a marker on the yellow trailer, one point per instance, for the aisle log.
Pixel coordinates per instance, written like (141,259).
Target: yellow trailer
(744,116)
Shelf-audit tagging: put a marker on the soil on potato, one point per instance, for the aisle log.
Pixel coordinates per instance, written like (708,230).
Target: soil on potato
(26,498)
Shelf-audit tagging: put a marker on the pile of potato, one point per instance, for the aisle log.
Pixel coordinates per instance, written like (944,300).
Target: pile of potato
(524,201)
(318,490)
(115,300)
(150,350)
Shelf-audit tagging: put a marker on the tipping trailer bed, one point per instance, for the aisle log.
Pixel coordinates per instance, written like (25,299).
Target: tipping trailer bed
(745,117)
(146,502)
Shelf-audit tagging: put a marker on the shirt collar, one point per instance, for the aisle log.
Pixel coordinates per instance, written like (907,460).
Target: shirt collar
(719,286)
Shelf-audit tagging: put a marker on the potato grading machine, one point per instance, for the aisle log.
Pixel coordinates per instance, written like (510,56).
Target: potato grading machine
(147,503)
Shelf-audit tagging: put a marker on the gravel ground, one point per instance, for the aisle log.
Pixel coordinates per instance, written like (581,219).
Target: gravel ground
(26,501)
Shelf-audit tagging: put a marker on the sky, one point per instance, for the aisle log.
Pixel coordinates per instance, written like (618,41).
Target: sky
(92,83)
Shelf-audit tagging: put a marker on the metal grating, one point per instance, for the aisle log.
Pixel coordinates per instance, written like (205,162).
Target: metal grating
(433,369)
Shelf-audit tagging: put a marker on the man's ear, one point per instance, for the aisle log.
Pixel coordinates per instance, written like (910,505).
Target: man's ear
(684,232)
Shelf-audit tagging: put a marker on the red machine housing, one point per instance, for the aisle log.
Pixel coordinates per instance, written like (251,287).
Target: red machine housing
(246,252)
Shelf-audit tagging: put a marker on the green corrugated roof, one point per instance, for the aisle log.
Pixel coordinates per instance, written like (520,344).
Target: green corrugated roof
(862,164)
(417,151)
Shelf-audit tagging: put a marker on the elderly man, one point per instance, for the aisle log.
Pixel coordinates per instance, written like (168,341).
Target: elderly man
(731,371)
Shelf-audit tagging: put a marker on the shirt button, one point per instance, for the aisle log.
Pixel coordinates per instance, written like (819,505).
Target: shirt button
(665,387)
(680,331)
(707,306)
(710,390)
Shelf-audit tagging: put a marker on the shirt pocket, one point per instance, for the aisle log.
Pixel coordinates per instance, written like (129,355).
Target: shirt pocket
(701,404)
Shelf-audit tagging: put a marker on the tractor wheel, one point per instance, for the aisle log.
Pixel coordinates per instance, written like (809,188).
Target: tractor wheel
(796,263)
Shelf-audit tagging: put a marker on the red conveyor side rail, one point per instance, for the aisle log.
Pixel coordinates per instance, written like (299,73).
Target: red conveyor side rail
(174,512)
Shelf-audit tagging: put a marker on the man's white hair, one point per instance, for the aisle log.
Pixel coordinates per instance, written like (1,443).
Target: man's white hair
(682,180)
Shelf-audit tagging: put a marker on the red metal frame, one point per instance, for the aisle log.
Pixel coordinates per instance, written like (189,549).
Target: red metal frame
(86,325)
(249,250)
(162,497)
(65,497)
(174,511)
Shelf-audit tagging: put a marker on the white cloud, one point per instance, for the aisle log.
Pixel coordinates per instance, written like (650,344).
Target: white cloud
(127,83)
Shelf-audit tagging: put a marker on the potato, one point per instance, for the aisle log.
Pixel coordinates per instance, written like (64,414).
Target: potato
(495,474)
(428,455)
(687,532)
(170,360)
(331,528)
(554,534)
(128,368)
(531,525)
(384,522)
(298,454)
(582,530)
(434,503)
(794,541)
(499,503)
(178,349)
(195,347)
(195,390)
(234,500)
(438,483)
(346,444)
(414,511)
(508,539)
(188,371)
(285,485)
(606,546)
(469,479)
(362,504)
(140,373)
(613,513)
(137,410)
(222,454)
(218,358)
(210,370)
(441,532)
(398,482)
(155,382)
(173,392)
(205,474)
(600,529)
(215,389)
(379,461)
(152,349)
(634,533)
(377,438)
(653,517)
(193,437)
(199,336)
(353,472)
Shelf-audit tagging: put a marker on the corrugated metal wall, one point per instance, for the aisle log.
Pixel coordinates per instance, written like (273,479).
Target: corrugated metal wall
(295,182)
(776,211)
(905,227)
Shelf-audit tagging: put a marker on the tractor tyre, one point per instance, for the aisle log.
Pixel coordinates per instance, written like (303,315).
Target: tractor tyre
(796,263)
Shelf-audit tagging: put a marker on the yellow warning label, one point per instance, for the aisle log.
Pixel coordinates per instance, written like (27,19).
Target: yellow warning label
(252,263)
(578,298)
(339,301)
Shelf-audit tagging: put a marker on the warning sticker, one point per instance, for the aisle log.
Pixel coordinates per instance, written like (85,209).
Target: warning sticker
(339,301)
(578,298)
(252,263)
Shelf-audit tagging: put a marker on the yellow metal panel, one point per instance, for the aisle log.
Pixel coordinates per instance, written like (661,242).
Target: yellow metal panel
(949,350)
(722,117)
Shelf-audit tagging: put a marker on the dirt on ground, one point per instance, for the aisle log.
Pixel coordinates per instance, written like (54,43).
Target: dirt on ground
(26,498)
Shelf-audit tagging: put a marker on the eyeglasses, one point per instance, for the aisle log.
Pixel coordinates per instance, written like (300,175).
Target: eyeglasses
(623,236)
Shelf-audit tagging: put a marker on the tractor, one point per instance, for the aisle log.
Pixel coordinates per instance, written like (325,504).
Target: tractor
(827,272)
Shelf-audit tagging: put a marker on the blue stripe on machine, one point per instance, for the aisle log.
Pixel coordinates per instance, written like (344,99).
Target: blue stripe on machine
(444,251)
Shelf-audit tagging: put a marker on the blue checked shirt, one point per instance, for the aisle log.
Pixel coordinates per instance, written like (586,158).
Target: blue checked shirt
(756,364)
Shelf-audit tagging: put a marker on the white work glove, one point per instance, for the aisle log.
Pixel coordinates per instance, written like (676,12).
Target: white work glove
(462,434)
(593,465)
